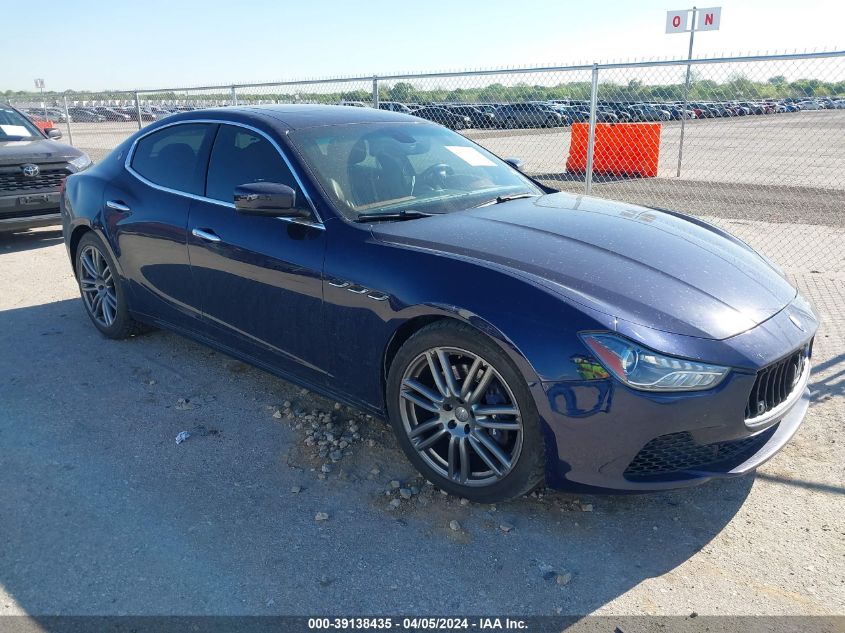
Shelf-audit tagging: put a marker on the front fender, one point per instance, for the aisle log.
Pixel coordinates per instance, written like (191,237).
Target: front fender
(376,292)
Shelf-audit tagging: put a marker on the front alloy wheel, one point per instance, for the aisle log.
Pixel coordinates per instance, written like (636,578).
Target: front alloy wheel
(461,416)
(464,415)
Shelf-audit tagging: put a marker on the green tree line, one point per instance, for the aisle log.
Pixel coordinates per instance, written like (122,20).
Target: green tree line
(736,87)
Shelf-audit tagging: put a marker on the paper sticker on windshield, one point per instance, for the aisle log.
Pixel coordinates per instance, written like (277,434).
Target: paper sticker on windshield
(14,130)
(471,155)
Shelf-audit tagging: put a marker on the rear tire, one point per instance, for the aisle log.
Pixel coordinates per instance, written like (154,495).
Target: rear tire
(472,428)
(102,290)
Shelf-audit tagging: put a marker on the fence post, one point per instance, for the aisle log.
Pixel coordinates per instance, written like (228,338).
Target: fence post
(375,92)
(138,110)
(67,120)
(234,97)
(591,137)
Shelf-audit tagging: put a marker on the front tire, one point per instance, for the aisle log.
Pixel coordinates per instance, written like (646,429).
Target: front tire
(102,289)
(463,414)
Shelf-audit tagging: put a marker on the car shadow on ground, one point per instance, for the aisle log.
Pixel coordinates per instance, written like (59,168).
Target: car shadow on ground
(105,514)
(832,384)
(29,240)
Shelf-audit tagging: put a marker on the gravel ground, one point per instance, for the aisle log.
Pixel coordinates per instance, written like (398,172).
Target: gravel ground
(104,513)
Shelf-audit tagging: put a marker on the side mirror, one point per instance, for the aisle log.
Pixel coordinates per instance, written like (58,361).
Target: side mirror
(267,198)
(53,132)
(516,163)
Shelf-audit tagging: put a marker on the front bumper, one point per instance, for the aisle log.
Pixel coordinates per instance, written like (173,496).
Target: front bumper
(603,436)
(28,210)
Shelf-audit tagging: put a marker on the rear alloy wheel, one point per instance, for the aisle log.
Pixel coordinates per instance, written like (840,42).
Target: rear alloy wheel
(102,291)
(464,416)
(96,283)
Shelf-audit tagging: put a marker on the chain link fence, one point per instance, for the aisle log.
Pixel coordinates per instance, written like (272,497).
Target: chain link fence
(753,144)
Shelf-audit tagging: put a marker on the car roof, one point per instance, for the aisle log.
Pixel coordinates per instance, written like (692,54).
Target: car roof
(298,116)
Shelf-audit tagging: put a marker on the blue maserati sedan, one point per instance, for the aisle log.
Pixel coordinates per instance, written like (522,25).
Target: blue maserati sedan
(510,334)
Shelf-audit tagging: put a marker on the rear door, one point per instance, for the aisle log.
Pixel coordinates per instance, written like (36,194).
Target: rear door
(147,212)
(259,278)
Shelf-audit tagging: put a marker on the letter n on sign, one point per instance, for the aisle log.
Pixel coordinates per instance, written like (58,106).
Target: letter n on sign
(708,19)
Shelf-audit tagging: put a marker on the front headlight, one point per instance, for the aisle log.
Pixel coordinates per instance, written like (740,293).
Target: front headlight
(80,162)
(642,368)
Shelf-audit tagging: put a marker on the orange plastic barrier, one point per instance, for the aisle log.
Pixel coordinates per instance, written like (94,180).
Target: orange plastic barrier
(43,125)
(622,149)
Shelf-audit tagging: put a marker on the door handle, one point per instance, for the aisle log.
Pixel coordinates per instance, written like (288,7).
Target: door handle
(208,236)
(117,205)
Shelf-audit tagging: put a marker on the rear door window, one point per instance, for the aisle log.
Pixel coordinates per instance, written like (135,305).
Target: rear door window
(174,157)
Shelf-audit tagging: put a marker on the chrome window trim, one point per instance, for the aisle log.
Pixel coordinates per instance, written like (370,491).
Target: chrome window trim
(127,164)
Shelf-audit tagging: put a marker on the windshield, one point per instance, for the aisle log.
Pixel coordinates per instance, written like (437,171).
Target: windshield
(15,127)
(395,167)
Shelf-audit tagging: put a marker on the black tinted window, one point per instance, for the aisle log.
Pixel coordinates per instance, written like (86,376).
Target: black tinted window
(239,157)
(171,157)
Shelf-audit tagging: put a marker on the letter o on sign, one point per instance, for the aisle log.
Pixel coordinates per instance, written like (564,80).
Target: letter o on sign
(676,21)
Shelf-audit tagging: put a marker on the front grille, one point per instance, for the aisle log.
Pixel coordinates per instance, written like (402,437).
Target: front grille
(49,179)
(775,383)
(677,452)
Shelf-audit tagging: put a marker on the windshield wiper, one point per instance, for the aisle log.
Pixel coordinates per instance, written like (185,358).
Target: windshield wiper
(501,199)
(404,214)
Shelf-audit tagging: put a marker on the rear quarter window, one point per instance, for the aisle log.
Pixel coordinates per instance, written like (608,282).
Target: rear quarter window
(174,157)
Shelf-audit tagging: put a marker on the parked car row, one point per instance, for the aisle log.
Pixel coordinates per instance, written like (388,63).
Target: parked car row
(557,113)
(100,114)
(461,116)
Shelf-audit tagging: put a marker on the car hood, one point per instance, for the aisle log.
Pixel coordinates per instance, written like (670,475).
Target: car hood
(653,268)
(39,150)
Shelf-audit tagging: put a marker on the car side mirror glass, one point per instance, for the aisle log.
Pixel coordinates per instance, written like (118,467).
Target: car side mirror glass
(52,132)
(270,199)
(516,163)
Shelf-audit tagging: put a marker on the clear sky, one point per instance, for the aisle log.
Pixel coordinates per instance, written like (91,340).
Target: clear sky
(98,44)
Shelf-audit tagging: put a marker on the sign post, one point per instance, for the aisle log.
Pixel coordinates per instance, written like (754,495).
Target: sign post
(676,22)
(39,85)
